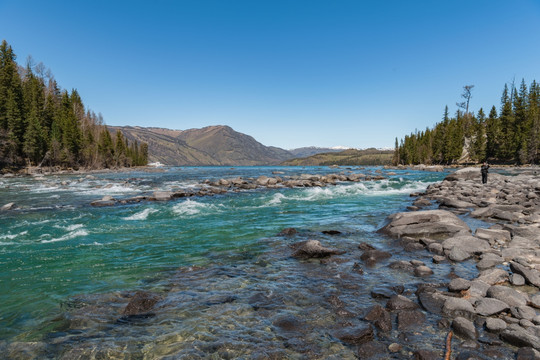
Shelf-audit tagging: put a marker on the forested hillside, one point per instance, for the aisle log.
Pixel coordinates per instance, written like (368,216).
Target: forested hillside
(508,135)
(41,124)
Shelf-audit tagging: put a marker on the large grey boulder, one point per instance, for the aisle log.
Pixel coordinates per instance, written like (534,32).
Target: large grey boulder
(464,328)
(493,276)
(532,276)
(518,336)
(437,224)
(508,295)
(488,306)
(489,260)
(467,243)
(455,307)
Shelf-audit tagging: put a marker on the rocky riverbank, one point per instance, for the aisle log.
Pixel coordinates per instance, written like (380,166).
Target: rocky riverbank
(501,303)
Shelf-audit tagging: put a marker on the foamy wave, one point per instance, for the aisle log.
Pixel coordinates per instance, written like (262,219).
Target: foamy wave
(69,236)
(70,227)
(12,236)
(276,199)
(191,207)
(370,188)
(143,215)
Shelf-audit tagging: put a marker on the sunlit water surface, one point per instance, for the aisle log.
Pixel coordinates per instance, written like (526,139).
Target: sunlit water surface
(226,280)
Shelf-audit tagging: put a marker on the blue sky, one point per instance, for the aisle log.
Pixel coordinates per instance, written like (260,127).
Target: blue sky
(289,73)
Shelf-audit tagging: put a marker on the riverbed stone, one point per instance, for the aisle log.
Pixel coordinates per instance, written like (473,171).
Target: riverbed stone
(458,254)
(410,318)
(371,349)
(493,276)
(428,223)
(436,248)
(508,295)
(371,257)
(528,353)
(495,324)
(380,318)
(312,249)
(422,271)
(489,260)
(518,336)
(459,284)
(455,307)
(517,280)
(400,302)
(489,307)
(532,276)
(467,243)
(162,196)
(142,302)
(523,312)
(464,328)
(355,335)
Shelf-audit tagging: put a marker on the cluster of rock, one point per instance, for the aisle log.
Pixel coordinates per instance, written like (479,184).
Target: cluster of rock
(504,298)
(221,186)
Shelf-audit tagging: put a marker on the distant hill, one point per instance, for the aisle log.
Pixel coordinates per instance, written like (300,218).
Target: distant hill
(347,157)
(212,145)
(311,150)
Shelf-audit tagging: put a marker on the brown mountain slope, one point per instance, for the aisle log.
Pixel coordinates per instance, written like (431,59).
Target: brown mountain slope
(230,147)
(212,145)
(346,157)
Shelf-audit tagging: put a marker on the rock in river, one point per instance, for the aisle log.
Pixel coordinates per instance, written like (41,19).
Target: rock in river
(312,249)
(438,224)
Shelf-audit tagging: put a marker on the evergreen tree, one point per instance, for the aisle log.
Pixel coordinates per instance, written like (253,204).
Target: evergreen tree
(34,142)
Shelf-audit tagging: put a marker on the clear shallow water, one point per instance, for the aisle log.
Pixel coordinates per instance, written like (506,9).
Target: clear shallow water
(67,269)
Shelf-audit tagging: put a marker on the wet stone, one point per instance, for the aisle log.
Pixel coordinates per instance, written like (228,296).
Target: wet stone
(508,295)
(437,259)
(427,355)
(288,232)
(287,323)
(395,347)
(312,249)
(436,248)
(141,303)
(464,328)
(380,317)
(402,265)
(382,293)
(410,318)
(528,353)
(371,349)
(400,302)
(422,271)
(371,257)
(355,335)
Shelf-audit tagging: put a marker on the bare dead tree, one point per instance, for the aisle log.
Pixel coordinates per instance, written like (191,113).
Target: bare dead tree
(466,95)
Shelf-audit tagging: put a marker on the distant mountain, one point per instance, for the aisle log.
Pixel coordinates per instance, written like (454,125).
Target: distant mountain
(312,150)
(212,145)
(348,157)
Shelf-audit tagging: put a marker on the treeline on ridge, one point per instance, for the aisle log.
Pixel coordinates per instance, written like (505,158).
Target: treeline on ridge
(510,135)
(42,125)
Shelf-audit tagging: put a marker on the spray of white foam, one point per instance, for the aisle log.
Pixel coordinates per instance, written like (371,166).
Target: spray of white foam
(68,236)
(142,215)
(191,208)
(12,236)
(370,188)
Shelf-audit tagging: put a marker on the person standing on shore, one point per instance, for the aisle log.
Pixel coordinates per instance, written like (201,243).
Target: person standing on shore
(484,170)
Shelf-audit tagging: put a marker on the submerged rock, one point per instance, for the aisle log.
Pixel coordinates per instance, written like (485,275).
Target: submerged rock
(141,303)
(313,249)
(355,335)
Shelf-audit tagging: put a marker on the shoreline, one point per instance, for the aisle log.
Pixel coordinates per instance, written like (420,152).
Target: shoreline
(500,304)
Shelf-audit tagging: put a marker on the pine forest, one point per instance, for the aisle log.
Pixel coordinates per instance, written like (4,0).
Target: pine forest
(509,135)
(43,125)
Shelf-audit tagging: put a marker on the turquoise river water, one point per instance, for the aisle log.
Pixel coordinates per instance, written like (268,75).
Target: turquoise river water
(226,280)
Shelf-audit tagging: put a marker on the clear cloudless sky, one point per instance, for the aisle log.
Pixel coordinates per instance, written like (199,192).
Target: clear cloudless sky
(290,73)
